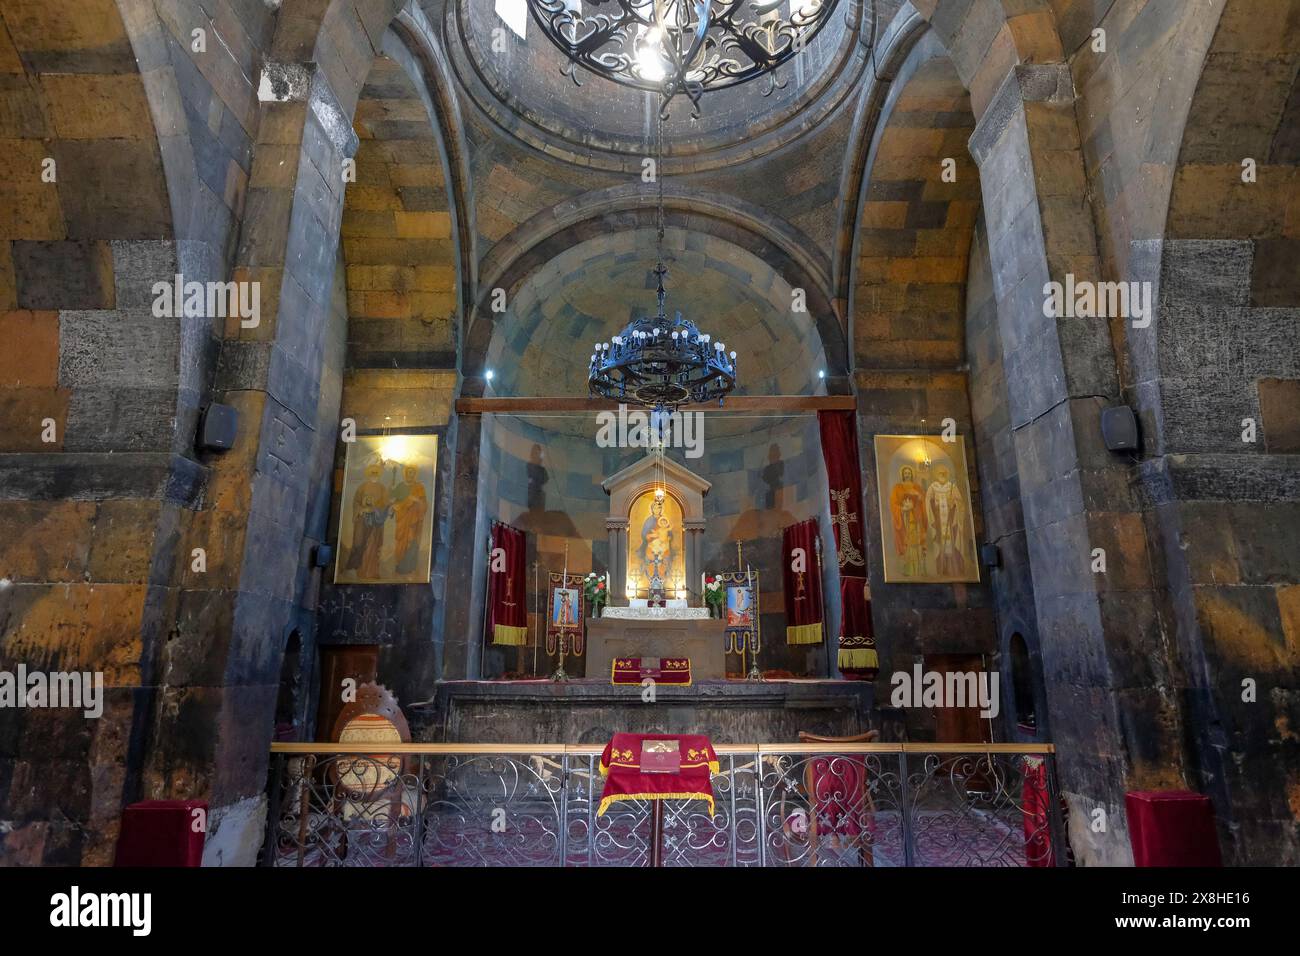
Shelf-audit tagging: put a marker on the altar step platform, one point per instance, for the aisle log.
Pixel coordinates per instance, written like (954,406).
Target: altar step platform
(592,710)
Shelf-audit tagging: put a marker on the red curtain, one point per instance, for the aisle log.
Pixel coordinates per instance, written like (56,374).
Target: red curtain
(507,617)
(803,589)
(857,658)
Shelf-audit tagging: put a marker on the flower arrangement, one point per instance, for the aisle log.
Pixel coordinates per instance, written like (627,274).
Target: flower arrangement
(713,596)
(596,589)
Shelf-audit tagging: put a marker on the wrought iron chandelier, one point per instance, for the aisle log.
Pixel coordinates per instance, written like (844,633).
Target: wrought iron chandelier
(657,362)
(681,46)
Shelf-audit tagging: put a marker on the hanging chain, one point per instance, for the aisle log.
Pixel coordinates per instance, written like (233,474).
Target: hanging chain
(660,271)
(659,180)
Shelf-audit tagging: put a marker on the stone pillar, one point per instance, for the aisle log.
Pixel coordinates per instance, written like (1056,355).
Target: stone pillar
(1100,632)
(694,559)
(616,529)
(462,627)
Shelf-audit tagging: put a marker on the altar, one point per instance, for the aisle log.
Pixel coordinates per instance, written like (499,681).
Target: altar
(657,632)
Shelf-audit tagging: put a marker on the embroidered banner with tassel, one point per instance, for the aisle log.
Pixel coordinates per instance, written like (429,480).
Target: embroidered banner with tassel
(802,583)
(507,617)
(858,659)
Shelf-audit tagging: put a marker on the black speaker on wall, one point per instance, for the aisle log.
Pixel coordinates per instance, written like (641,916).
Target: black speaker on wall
(990,556)
(218,427)
(1119,428)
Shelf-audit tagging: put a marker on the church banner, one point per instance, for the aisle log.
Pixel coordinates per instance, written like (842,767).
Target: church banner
(565,612)
(507,618)
(802,583)
(858,659)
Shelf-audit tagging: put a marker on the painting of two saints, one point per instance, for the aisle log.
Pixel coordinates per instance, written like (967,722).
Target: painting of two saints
(385,523)
(927,527)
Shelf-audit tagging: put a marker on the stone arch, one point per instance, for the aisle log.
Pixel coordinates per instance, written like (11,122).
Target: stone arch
(623,208)
(904,246)
(263,502)
(987,39)
(398,247)
(89,531)
(1059,373)
(80,111)
(1022,663)
(905,285)
(1230,248)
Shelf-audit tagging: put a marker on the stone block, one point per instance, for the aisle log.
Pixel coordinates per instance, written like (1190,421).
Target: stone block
(70,626)
(113,189)
(97,106)
(23,413)
(121,418)
(119,348)
(32,358)
(45,541)
(1242,633)
(122,548)
(1279,408)
(64,275)
(1274,276)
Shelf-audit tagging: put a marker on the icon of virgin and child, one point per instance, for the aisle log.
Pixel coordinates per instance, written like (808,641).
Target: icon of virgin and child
(657,558)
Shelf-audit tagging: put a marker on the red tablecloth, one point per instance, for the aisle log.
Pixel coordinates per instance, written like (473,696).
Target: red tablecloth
(624,779)
(671,672)
(1172,828)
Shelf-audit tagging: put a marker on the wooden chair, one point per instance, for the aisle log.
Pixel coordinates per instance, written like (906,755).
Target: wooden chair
(371,787)
(859,798)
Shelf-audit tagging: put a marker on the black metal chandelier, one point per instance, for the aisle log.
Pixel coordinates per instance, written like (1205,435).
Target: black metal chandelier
(661,363)
(681,46)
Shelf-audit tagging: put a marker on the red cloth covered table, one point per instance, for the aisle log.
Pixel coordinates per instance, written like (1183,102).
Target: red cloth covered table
(162,833)
(671,672)
(1172,828)
(624,779)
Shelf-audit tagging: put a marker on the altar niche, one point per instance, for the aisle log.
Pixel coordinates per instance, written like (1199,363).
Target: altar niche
(656,527)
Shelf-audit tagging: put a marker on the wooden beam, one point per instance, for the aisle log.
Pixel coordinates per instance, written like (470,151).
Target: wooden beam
(775,404)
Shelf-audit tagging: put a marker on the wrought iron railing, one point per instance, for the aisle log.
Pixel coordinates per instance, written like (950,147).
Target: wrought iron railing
(877,805)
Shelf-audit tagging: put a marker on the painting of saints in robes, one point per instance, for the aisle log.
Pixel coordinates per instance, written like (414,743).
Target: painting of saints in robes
(927,526)
(386,514)
(907,514)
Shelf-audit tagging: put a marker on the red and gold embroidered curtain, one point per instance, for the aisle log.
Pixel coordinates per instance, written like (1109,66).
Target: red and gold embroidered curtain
(857,658)
(803,588)
(507,617)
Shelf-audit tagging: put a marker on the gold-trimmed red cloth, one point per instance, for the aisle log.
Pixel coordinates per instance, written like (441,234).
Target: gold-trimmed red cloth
(671,672)
(625,780)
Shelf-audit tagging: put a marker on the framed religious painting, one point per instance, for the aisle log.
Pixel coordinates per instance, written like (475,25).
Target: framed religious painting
(386,513)
(566,612)
(927,528)
(740,613)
